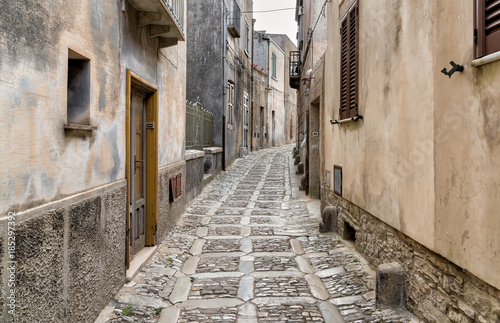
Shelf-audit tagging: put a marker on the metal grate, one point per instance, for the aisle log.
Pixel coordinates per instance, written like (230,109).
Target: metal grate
(177,9)
(199,127)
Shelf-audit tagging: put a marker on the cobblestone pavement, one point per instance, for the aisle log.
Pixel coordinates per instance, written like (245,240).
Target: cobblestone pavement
(248,250)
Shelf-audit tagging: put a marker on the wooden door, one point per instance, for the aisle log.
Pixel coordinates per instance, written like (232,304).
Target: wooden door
(138,170)
(273,141)
(262,127)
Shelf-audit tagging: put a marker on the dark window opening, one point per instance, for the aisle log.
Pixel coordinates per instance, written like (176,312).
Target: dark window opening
(78,89)
(349,232)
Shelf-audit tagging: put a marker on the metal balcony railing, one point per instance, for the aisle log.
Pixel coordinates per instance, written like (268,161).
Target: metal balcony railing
(176,7)
(234,19)
(199,127)
(295,69)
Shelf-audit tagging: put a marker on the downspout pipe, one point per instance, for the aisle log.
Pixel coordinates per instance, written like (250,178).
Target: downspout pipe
(251,91)
(265,37)
(224,84)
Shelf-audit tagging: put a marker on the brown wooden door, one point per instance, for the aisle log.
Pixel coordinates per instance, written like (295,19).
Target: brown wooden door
(138,170)
(262,127)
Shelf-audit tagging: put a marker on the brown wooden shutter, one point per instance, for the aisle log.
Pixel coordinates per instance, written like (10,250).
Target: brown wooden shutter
(179,181)
(344,66)
(353,61)
(487,33)
(349,52)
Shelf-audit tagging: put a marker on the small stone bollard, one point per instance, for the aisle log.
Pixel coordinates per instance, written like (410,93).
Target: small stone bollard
(303,183)
(329,219)
(390,286)
(300,168)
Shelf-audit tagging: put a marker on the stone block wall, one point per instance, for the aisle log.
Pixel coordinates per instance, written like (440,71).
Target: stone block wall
(70,257)
(436,290)
(213,160)
(170,212)
(194,174)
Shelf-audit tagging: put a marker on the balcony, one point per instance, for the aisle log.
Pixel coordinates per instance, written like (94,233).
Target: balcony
(165,19)
(295,69)
(234,19)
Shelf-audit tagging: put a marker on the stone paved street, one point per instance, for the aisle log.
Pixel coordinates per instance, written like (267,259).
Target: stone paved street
(248,250)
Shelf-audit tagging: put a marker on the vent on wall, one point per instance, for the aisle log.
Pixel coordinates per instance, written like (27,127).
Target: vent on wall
(337,180)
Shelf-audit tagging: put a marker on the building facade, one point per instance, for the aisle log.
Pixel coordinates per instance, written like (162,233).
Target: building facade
(272,125)
(92,134)
(411,149)
(219,61)
(303,70)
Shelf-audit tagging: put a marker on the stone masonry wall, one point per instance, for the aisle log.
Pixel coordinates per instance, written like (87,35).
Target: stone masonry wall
(170,212)
(436,290)
(70,257)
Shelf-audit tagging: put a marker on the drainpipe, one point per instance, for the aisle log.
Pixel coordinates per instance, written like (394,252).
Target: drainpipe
(308,109)
(224,84)
(264,37)
(251,92)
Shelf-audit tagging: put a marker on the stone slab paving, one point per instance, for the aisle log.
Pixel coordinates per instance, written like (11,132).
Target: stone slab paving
(248,250)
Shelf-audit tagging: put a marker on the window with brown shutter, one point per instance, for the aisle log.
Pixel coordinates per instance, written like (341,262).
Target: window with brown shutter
(349,53)
(487,31)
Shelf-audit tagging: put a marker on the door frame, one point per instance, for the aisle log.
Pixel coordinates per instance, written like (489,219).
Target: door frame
(151,159)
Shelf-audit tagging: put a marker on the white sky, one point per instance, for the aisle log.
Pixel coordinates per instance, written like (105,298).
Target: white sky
(279,22)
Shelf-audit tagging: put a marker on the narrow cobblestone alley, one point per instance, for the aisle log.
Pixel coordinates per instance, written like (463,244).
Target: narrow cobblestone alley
(249,250)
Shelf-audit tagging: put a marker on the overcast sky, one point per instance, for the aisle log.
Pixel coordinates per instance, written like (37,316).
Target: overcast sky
(280,22)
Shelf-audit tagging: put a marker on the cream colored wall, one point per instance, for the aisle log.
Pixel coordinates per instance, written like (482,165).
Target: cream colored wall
(172,114)
(277,94)
(467,148)
(43,162)
(425,157)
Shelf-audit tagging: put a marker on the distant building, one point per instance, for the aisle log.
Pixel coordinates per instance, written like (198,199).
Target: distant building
(219,60)
(306,75)
(273,117)
(92,132)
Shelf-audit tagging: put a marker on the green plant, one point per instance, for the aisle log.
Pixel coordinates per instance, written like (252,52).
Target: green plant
(355,260)
(158,310)
(128,310)
(192,279)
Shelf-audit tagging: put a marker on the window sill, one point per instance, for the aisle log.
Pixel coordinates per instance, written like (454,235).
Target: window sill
(486,59)
(76,126)
(348,120)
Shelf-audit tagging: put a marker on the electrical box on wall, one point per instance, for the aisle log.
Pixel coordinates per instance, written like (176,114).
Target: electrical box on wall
(337,180)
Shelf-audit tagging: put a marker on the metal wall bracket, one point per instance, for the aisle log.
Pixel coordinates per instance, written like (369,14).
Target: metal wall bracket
(456,68)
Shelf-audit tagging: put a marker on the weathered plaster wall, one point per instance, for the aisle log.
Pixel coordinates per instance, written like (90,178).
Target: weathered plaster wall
(259,97)
(238,69)
(42,161)
(204,59)
(290,95)
(424,159)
